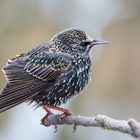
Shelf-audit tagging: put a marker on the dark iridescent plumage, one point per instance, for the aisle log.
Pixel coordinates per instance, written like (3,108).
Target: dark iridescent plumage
(51,73)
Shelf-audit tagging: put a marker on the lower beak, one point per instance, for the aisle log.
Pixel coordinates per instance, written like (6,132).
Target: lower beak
(97,42)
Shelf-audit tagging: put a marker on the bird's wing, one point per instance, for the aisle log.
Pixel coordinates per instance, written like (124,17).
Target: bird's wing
(29,74)
(47,66)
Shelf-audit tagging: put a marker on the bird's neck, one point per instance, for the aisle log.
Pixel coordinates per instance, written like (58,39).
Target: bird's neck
(83,62)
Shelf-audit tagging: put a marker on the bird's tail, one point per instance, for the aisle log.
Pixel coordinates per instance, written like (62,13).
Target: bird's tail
(17,90)
(12,95)
(21,86)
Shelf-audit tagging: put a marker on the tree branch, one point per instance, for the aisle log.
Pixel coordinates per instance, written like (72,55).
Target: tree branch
(131,126)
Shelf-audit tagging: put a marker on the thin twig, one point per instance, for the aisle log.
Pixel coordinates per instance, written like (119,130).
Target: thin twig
(131,126)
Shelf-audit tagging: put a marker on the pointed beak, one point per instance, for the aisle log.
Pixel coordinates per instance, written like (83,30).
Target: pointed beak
(98,42)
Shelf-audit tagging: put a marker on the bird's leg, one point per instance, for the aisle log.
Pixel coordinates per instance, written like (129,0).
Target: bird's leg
(44,120)
(66,112)
(49,112)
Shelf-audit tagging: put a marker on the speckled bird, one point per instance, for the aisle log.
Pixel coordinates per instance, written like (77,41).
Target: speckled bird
(50,74)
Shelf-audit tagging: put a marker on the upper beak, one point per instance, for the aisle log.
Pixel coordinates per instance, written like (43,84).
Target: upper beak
(97,42)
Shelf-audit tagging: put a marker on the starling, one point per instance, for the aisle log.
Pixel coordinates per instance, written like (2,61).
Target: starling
(50,74)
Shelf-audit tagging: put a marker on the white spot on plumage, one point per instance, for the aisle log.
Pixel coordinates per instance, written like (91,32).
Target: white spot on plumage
(63,86)
(60,98)
(60,90)
(73,84)
(66,74)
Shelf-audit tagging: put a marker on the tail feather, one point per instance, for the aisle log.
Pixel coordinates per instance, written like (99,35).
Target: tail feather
(4,107)
(21,86)
(17,90)
(12,95)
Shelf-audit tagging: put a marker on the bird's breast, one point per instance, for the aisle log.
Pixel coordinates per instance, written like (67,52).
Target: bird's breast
(70,83)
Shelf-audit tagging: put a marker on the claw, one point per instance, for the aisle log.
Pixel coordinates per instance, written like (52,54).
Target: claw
(44,120)
(55,128)
(74,128)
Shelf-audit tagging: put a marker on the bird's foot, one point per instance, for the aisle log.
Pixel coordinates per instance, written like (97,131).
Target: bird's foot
(65,114)
(45,122)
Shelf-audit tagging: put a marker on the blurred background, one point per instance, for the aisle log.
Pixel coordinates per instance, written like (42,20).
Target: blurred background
(115,86)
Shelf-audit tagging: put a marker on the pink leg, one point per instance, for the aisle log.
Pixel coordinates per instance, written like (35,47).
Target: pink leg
(44,120)
(65,111)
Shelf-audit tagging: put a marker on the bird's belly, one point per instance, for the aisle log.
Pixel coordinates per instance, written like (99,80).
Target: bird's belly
(65,88)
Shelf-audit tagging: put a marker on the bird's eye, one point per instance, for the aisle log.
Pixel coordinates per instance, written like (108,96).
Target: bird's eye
(85,43)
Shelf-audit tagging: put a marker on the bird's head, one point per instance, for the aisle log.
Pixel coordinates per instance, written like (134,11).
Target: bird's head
(75,41)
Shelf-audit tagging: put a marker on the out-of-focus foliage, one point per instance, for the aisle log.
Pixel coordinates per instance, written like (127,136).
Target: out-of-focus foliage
(114,89)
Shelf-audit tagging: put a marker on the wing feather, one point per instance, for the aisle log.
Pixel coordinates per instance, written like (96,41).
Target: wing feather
(47,66)
(30,74)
